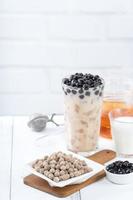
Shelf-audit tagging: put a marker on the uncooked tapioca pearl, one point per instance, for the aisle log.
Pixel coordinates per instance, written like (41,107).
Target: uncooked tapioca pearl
(46,167)
(57,166)
(83,163)
(62,163)
(79,166)
(76,173)
(40,163)
(81,171)
(57,173)
(67,166)
(62,172)
(52,162)
(70,170)
(46,173)
(61,159)
(56,179)
(37,168)
(65,177)
(41,170)
(52,166)
(45,163)
(63,167)
(52,170)
(71,174)
(75,169)
(59,154)
(51,176)
(87,169)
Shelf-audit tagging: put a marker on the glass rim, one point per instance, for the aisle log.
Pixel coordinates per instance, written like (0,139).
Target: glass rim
(118,111)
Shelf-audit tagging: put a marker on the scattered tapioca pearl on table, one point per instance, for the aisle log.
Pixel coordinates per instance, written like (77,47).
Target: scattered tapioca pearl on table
(83,84)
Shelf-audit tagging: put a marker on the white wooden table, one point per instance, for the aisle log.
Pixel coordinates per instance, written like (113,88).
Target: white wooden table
(19,145)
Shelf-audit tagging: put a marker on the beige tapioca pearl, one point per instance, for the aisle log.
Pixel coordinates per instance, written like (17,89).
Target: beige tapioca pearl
(62,163)
(62,172)
(41,170)
(37,168)
(65,177)
(51,176)
(46,167)
(63,167)
(40,163)
(56,179)
(57,173)
(71,175)
(67,166)
(52,170)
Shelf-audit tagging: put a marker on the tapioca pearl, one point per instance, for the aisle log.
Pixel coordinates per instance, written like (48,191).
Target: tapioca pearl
(100,94)
(96,92)
(74,91)
(81,91)
(102,87)
(87,93)
(65,92)
(94,88)
(68,90)
(81,96)
(86,87)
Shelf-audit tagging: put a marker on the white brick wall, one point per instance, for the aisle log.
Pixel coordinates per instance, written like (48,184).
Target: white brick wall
(42,40)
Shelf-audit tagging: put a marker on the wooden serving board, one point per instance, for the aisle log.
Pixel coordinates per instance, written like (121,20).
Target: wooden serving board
(40,184)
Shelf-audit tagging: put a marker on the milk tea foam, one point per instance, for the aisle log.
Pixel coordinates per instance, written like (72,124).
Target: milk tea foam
(82,114)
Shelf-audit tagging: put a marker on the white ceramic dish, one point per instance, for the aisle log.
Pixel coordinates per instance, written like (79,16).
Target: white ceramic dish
(96,167)
(121,179)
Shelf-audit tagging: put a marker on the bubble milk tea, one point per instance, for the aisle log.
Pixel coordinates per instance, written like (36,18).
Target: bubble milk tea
(83,95)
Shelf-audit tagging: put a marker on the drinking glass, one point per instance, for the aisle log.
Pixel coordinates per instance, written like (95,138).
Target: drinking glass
(122,131)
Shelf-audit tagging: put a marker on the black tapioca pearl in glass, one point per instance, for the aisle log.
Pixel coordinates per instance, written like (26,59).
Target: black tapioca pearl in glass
(102,87)
(65,93)
(68,90)
(87,93)
(94,88)
(100,94)
(74,91)
(81,91)
(96,92)
(81,96)
(86,87)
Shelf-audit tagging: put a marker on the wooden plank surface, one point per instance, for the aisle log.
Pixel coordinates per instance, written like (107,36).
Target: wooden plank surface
(5,156)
